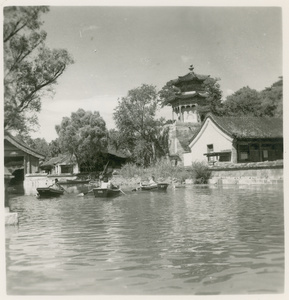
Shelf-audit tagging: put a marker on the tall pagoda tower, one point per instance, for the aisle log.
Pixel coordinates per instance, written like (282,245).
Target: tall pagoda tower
(189,95)
(189,106)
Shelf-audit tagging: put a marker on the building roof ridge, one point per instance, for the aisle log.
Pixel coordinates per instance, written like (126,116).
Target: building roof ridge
(22,145)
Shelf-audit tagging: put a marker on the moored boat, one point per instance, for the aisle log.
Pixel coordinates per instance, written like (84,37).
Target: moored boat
(48,192)
(105,192)
(76,181)
(157,187)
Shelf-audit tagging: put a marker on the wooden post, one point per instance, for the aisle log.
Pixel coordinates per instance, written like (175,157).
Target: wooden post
(28,164)
(25,164)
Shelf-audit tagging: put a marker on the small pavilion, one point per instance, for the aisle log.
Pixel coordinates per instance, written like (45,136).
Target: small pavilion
(189,95)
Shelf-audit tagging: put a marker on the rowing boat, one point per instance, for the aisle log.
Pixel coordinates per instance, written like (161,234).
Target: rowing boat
(105,193)
(77,181)
(47,192)
(157,187)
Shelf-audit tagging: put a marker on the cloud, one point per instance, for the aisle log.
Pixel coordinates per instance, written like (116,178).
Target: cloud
(186,59)
(227,93)
(90,28)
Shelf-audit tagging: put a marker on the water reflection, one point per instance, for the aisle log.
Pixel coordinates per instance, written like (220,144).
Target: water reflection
(197,240)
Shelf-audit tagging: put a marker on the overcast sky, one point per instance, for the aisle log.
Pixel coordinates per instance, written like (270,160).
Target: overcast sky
(120,48)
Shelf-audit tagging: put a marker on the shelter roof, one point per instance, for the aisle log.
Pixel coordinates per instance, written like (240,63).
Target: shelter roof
(250,127)
(119,153)
(64,159)
(21,145)
(247,127)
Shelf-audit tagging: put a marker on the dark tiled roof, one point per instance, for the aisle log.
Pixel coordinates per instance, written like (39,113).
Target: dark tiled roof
(189,77)
(247,127)
(183,97)
(21,145)
(61,159)
(250,127)
(119,153)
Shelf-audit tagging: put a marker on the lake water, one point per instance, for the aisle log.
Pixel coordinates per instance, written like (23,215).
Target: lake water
(197,240)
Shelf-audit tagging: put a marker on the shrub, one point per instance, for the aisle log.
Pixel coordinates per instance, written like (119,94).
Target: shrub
(201,171)
(131,170)
(162,170)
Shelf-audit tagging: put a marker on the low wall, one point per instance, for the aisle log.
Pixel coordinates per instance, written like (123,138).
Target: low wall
(11,218)
(33,181)
(247,173)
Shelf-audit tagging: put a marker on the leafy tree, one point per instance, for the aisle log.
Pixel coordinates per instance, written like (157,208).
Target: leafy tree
(84,135)
(135,118)
(272,99)
(30,68)
(212,87)
(40,145)
(117,140)
(245,101)
(54,148)
(167,92)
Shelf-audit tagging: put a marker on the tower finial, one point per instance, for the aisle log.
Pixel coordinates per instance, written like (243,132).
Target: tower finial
(191,68)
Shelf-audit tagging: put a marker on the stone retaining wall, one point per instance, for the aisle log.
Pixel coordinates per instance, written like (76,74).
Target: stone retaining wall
(33,181)
(248,173)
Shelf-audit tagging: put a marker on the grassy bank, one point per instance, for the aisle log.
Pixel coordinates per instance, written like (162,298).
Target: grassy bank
(163,171)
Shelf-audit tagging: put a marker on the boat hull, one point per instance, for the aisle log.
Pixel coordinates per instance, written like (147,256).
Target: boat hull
(47,192)
(70,181)
(105,193)
(158,187)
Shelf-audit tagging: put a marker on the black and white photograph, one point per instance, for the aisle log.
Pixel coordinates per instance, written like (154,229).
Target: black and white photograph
(143,149)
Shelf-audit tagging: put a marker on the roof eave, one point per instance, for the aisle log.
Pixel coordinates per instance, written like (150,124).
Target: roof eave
(23,147)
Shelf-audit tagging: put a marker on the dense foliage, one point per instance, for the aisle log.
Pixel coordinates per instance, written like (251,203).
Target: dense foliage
(84,135)
(249,102)
(31,69)
(244,102)
(139,130)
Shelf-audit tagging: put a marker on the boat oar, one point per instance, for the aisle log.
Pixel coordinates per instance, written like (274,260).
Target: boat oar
(122,191)
(82,194)
(137,188)
(64,189)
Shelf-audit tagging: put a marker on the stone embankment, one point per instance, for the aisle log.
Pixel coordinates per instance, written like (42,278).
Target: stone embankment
(268,172)
(11,218)
(224,173)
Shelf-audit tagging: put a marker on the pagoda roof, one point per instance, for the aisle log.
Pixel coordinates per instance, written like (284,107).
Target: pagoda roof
(185,96)
(191,76)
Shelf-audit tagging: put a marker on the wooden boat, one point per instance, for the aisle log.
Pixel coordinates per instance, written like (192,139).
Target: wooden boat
(105,193)
(47,192)
(76,181)
(157,187)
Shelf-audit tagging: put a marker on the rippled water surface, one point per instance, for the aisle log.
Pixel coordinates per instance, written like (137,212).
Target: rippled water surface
(195,240)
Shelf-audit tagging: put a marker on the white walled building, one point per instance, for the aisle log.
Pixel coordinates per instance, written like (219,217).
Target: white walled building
(236,140)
